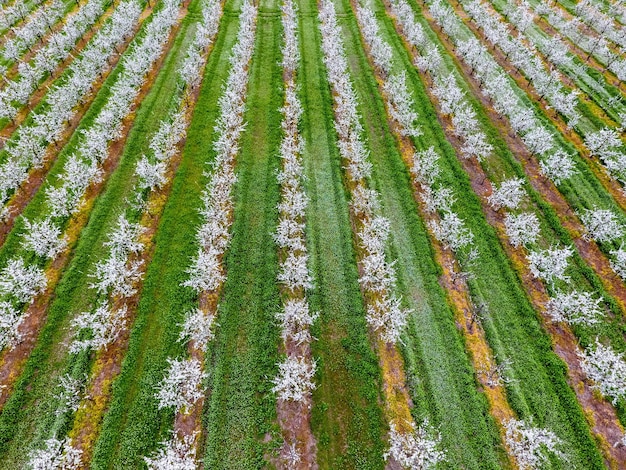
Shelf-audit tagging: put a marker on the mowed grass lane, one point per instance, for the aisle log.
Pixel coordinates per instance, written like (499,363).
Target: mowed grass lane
(240,411)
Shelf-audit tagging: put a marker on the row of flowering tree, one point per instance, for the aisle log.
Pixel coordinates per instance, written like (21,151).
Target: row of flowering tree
(32,30)
(43,239)
(116,277)
(410,445)
(615,9)
(58,47)
(572,28)
(546,262)
(294,382)
(554,162)
(28,147)
(603,142)
(182,387)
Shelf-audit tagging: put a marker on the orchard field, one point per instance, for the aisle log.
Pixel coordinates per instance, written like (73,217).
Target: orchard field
(300,234)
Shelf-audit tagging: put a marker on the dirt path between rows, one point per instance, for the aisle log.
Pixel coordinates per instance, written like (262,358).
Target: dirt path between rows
(600,414)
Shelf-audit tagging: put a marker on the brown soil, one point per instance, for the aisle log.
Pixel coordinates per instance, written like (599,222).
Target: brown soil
(36,177)
(600,414)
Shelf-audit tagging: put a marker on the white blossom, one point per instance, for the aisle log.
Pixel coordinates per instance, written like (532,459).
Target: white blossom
(206,271)
(22,282)
(531,446)
(426,167)
(387,318)
(550,264)
(69,395)
(151,175)
(607,369)
(198,327)
(558,167)
(618,263)
(419,448)
(182,385)
(44,238)
(401,104)
(57,455)
(124,238)
(10,321)
(295,379)
(117,276)
(522,229)
(175,454)
(602,225)
(509,194)
(294,273)
(575,308)
(296,319)
(451,231)
(439,199)
(102,327)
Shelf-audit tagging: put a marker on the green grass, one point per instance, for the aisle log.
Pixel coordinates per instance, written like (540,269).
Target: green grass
(241,409)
